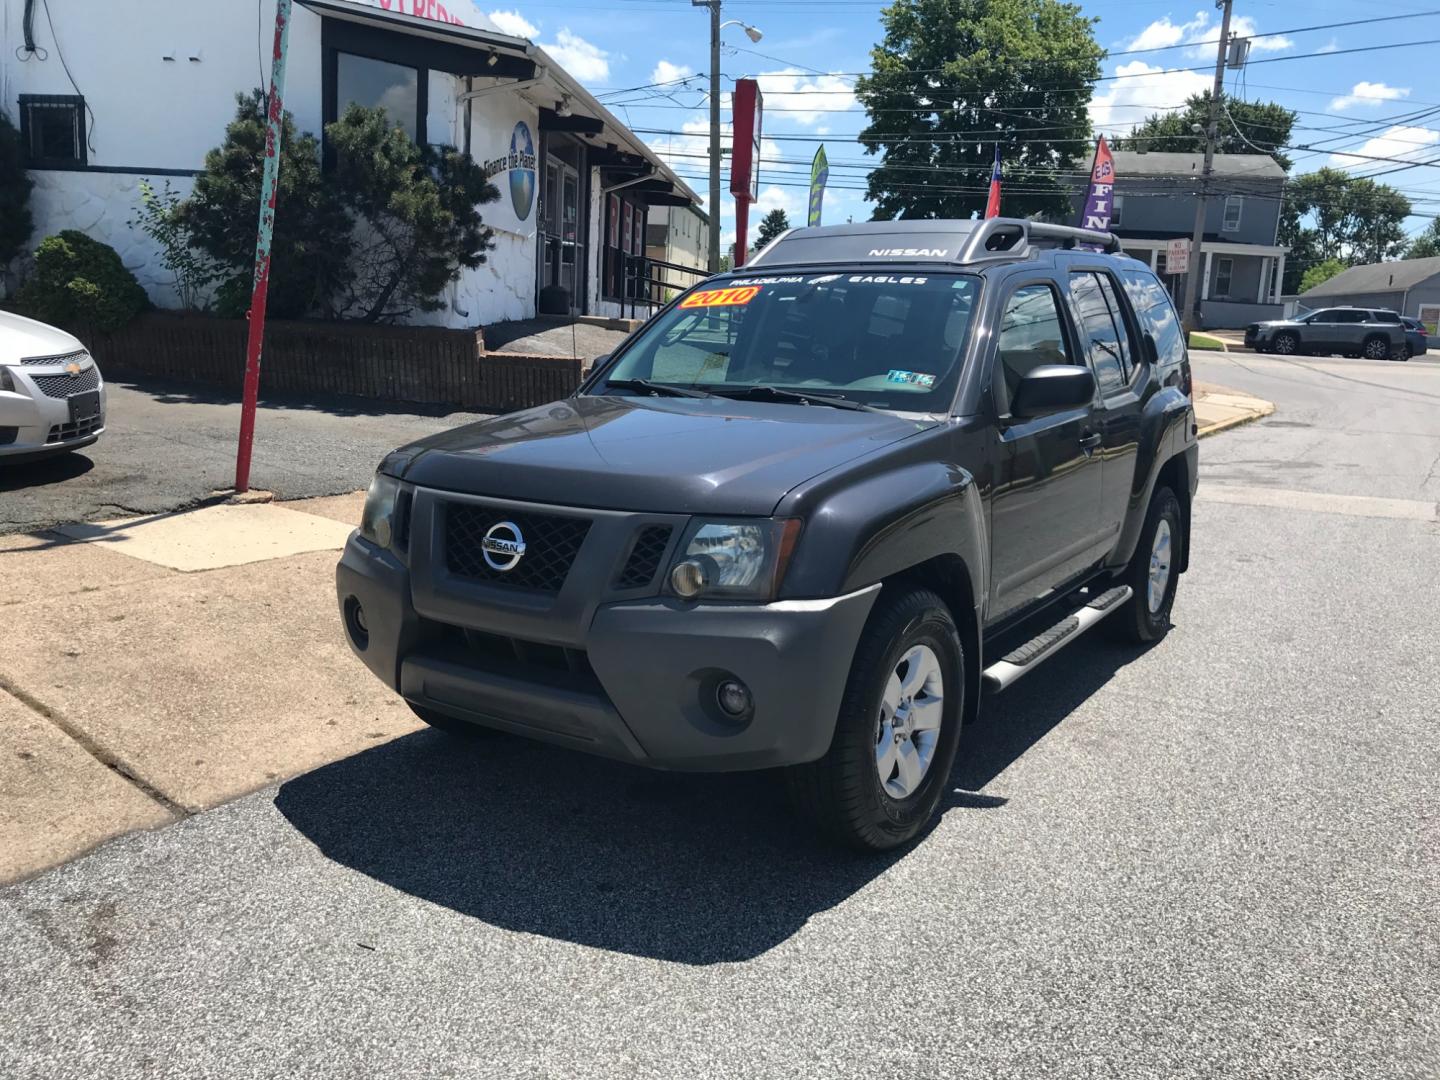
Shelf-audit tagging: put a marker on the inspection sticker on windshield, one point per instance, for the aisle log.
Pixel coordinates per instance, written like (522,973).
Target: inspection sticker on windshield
(721,297)
(914,378)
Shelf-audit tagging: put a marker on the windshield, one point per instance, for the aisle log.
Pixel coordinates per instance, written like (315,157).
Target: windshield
(890,341)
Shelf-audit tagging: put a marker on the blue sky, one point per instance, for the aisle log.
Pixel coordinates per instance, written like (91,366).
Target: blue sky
(1375,103)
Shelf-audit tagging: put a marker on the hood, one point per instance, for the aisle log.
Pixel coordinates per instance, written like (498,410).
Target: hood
(22,337)
(652,455)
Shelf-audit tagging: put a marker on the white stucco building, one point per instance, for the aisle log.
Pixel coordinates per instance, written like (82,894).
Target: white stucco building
(150,87)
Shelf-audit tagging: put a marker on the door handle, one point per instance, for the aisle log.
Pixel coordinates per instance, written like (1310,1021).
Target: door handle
(1091,441)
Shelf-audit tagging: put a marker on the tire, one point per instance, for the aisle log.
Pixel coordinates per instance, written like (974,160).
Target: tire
(1138,623)
(1375,347)
(451,725)
(1406,353)
(843,793)
(1285,344)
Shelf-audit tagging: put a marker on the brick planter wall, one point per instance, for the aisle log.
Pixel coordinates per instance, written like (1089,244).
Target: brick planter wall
(425,365)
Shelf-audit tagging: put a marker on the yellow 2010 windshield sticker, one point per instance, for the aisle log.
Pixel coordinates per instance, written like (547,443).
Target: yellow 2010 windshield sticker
(721,297)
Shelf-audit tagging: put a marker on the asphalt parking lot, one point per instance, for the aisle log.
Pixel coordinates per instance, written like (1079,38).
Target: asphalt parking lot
(1217,857)
(167,446)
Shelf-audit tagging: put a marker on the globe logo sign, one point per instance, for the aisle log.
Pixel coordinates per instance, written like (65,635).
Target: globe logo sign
(522,170)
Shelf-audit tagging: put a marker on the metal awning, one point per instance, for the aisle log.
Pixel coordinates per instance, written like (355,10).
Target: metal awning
(469,51)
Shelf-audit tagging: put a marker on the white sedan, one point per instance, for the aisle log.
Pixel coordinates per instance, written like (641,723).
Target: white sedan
(52,398)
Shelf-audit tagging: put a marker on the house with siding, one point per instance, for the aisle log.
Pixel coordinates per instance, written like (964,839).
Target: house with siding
(1405,286)
(1242,260)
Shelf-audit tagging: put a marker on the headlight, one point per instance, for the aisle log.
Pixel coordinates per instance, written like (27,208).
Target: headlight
(377,522)
(7,382)
(734,560)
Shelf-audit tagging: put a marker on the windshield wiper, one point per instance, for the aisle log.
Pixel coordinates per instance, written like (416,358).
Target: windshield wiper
(645,386)
(798,397)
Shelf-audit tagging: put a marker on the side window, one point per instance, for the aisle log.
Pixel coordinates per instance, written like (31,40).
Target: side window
(1350,317)
(1032,334)
(1122,325)
(1386,316)
(1102,337)
(1164,327)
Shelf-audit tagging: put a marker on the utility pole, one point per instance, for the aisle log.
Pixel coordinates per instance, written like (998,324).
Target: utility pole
(714,201)
(1192,279)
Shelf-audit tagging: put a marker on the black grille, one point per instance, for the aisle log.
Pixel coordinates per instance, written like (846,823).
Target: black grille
(645,557)
(75,430)
(63,386)
(551,544)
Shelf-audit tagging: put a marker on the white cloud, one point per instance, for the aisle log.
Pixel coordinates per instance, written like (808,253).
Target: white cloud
(690,152)
(1369,93)
(587,62)
(666,72)
(514,24)
(1399,141)
(811,95)
(1332,45)
(1162,33)
(1203,41)
(1147,89)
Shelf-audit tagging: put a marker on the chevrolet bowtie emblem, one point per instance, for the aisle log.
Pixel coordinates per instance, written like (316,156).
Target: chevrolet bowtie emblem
(73,369)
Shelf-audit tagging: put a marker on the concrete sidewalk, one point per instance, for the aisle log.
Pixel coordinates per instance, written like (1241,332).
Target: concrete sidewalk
(154,669)
(1218,408)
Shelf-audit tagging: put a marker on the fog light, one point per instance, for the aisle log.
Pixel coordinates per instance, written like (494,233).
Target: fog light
(356,624)
(687,579)
(733,697)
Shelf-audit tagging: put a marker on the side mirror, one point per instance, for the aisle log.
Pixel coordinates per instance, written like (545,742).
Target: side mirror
(1053,388)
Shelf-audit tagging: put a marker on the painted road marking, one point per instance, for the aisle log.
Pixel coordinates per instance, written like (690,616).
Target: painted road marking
(1350,505)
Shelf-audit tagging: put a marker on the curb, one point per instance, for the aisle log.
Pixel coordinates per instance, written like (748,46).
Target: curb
(1235,421)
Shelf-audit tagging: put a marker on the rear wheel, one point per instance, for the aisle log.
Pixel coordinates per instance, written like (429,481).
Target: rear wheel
(1407,352)
(1376,348)
(1285,343)
(1152,575)
(898,729)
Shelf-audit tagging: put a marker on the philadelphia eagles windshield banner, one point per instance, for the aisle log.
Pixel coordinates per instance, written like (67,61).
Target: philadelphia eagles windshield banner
(1100,199)
(819,173)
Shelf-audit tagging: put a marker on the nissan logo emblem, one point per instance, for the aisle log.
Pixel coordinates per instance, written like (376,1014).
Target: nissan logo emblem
(503,546)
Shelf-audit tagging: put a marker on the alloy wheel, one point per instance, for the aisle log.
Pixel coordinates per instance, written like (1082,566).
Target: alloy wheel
(908,727)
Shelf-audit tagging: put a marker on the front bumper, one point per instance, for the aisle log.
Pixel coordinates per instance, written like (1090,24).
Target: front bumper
(642,687)
(34,423)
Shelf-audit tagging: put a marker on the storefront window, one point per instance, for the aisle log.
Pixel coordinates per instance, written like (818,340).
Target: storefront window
(359,80)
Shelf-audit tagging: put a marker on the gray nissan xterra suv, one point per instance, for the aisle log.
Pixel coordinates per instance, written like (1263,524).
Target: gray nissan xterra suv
(803,517)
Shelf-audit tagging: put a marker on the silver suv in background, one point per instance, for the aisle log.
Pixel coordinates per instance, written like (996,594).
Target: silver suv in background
(1351,331)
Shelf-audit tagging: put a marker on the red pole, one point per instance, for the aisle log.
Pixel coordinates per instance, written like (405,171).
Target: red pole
(742,229)
(263,235)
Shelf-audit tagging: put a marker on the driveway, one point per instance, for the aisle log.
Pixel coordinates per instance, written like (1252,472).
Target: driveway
(1213,858)
(168,446)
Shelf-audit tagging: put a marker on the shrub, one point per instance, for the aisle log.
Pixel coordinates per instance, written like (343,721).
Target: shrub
(81,282)
(311,243)
(417,221)
(160,216)
(15,185)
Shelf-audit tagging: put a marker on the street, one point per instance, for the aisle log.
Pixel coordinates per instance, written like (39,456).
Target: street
(168,446)
(1217,857)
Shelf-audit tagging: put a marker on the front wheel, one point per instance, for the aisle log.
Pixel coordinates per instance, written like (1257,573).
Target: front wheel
(898,728)
(1286,344)
(1152,574)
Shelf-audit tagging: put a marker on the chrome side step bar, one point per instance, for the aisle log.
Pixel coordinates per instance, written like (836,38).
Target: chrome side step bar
(1019,662)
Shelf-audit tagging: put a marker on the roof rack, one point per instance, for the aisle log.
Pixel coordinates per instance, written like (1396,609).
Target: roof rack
(953,242)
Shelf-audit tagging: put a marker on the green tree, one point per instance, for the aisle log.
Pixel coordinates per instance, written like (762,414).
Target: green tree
(311,245)
(1330,214)
(160,216)
(15,185)
(771,225)
(1021,71)
(1264,127)
(417,216)
(1320,273)
(1427,244)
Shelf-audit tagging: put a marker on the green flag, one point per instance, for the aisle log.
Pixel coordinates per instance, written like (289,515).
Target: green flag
(819,173)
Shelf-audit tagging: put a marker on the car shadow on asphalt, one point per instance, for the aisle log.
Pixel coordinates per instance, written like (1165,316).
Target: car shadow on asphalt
(19,475)
(689,868)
